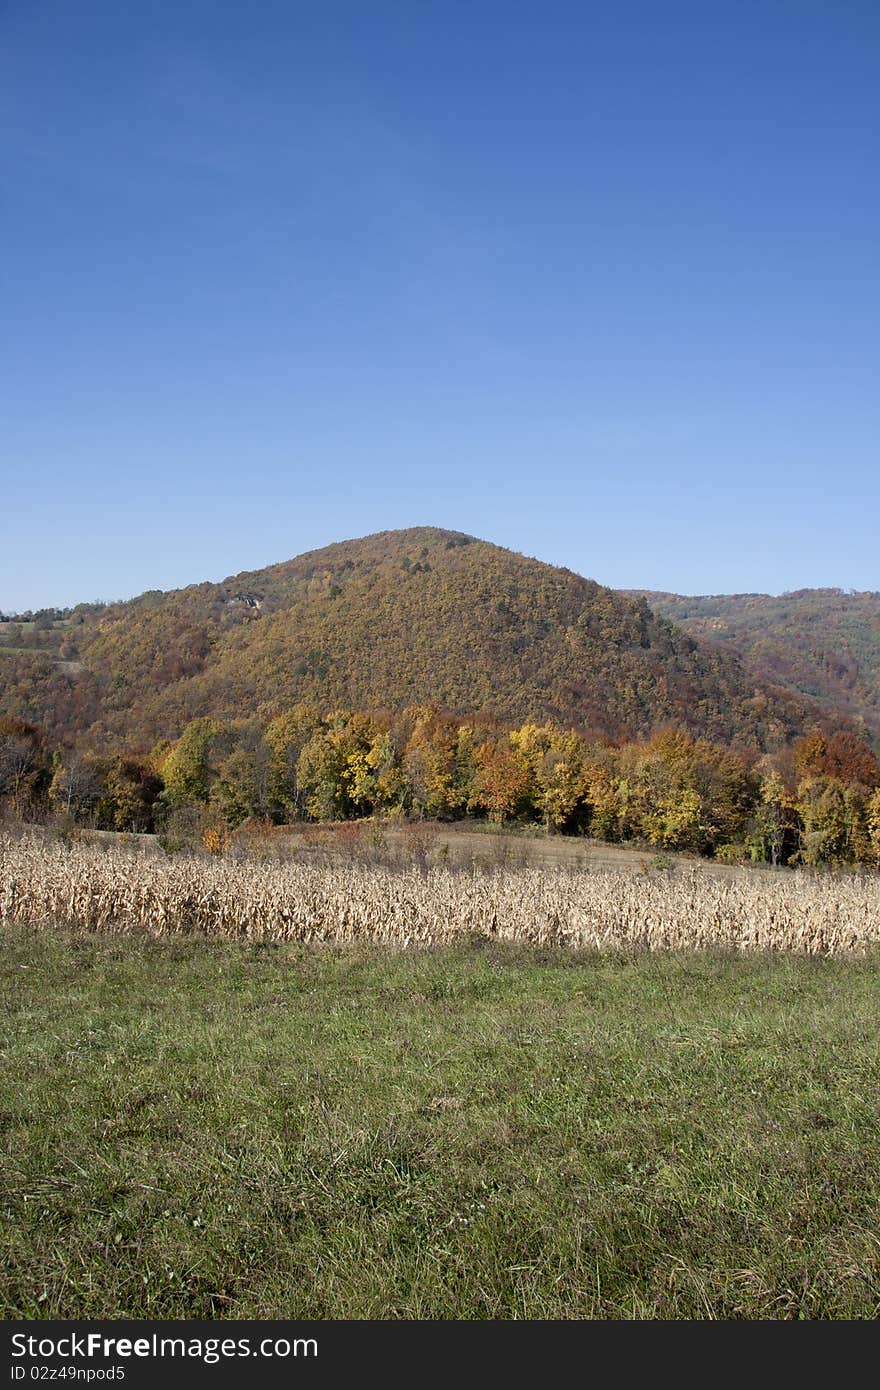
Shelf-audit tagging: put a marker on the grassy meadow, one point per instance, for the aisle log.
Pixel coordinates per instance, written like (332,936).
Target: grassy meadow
(210,1128)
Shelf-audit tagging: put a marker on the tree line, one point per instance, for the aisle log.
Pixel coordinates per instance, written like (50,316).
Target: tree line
(816,802)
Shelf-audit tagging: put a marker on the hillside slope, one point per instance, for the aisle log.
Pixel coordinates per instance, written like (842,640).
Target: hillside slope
(820,643)
(394,619)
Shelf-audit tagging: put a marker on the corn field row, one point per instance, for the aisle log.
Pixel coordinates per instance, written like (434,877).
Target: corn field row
(117,890)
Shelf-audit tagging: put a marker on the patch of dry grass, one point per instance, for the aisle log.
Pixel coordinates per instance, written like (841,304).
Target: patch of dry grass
(116,890)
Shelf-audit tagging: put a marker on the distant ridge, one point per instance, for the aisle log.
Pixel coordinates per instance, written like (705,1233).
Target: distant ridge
(822,644)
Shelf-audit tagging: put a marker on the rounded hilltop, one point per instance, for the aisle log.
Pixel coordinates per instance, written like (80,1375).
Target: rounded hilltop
(403,617)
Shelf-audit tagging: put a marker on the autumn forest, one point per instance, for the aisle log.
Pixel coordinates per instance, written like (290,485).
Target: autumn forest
(424,673)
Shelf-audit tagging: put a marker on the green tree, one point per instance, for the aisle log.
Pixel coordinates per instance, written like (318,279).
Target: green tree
(286,737)
(389,779)
(189,770)
(243,787)
(821,804)
(333,769)
(774,828)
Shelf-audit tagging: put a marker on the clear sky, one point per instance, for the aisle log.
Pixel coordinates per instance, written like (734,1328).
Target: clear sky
(596,281)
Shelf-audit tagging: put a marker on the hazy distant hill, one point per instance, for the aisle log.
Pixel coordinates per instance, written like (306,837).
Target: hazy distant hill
(823,643)
(383,622)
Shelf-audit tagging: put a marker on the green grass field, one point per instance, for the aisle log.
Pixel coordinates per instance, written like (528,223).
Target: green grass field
(198,1129)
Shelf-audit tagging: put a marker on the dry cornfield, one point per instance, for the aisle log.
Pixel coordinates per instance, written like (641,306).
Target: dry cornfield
(117,890)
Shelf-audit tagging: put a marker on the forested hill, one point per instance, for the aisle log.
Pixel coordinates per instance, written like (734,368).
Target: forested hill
(822,643)
(385,622)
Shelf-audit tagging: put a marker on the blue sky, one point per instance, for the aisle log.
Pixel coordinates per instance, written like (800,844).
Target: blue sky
(598,282)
